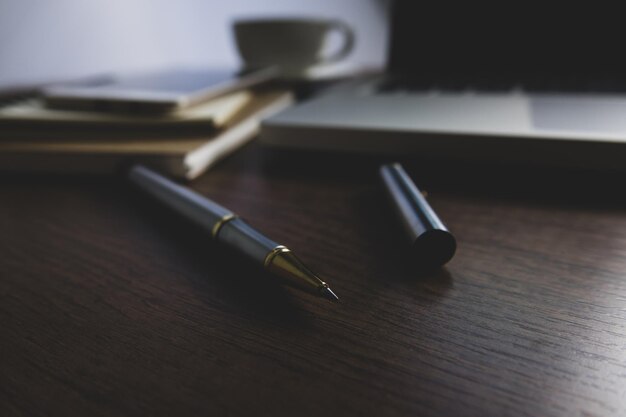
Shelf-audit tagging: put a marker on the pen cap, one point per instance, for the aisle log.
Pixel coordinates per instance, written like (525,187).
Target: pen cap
(432,244)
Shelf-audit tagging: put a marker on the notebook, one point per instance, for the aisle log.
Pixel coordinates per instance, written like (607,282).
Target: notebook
(183,157)
(30,118)
(494,83)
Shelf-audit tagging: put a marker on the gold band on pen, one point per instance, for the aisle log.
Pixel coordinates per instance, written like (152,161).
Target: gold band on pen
(283,263)
(270,256)
(221,222)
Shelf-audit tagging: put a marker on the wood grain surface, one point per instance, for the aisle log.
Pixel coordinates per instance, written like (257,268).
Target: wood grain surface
(110,306)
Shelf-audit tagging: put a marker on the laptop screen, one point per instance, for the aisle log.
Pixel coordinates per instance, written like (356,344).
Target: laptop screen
(470,40)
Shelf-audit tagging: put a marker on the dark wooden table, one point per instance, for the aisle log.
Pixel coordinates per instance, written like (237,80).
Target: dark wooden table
(109,306)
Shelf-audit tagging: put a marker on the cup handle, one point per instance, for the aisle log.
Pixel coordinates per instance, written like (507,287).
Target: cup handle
(348,42)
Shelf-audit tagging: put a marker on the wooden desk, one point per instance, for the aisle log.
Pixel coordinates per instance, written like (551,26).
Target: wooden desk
(108,306)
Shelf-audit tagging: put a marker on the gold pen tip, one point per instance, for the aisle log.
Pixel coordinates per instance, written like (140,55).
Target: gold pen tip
(329,294)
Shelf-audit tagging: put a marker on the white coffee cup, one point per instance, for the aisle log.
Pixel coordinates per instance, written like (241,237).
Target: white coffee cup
(292,45)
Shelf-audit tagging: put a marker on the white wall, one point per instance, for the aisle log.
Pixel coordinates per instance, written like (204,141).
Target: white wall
(44,39)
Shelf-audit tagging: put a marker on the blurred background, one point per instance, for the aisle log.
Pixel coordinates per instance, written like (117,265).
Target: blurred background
(48,40)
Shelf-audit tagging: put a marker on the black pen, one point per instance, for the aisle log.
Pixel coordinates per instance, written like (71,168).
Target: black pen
(230,230)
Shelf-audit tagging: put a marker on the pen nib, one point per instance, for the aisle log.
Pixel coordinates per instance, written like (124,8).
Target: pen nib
(287,266)
(329,294)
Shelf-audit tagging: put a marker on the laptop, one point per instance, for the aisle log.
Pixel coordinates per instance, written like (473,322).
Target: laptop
(500,83)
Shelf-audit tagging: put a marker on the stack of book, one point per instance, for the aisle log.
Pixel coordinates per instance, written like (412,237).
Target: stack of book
(183,144)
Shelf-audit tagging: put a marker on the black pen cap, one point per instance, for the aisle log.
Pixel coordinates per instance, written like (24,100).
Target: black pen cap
(432,244)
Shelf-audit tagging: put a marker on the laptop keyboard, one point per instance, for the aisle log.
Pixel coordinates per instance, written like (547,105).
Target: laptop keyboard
(503,85)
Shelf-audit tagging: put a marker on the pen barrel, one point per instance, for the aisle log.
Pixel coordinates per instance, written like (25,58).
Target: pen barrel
(231,231)
(198,209)
(226,228)
(432,243)
(239,236)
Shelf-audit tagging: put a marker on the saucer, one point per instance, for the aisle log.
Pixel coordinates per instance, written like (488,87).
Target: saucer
(323,71)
